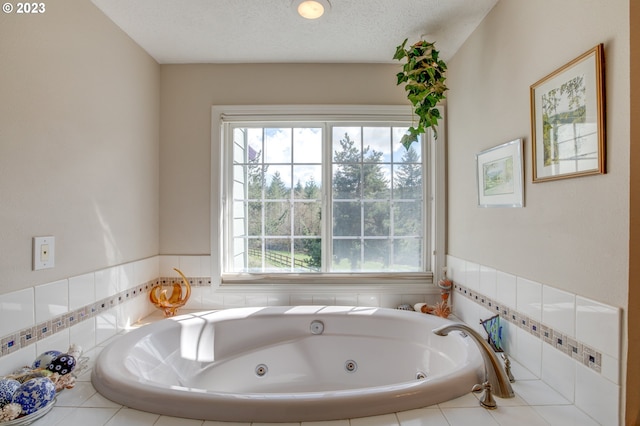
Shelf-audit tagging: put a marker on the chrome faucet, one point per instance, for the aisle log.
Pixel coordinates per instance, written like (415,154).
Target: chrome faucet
(496,380)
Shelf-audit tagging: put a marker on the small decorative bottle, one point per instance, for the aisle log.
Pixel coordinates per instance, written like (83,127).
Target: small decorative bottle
(445,285)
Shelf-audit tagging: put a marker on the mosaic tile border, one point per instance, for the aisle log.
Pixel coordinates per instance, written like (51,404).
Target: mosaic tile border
(28,336)
(580,352)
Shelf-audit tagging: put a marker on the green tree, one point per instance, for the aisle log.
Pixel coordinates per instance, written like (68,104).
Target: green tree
(408,179)
(255,179)
(311,189)
(358,175)
(277,213)
(408,205)
(277,189)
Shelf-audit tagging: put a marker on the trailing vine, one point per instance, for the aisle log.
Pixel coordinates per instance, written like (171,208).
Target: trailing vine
(424,75)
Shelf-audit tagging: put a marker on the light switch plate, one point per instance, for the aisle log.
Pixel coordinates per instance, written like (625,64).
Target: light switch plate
(44,253)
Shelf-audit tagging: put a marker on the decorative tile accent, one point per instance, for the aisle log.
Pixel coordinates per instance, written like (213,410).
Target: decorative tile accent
(534,328)
(44,329)
(28,336)
(580,352)
(10,343)
(574,349)
(591,358)
(523,322)
(547,334)
(560,342)
(25,337)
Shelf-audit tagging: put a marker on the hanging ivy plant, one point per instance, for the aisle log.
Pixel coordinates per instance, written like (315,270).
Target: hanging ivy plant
(424,75)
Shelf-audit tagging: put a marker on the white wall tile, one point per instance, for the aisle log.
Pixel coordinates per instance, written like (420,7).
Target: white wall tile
(211,299)
(509,339)
(58,342)
(191,266)
(106,282)
(20,358)
(205,266)
(611,368)
(472,276)
(390,300)
(82,291)
(559,310)
(529,298)
(195,300)
(281,299)
(329,300)
(529,351)
(456,270)
(167,263)
(257,300)
(146,269)
(558,371)
(83,334)
(344,300)
(466,310)
(234,300)
(506,289)
(304,299)
(488,282)
(365,300)
(106,326)
(129,313)
(597,396)
(598,325)
(17,311)
(126,277)
(52,300)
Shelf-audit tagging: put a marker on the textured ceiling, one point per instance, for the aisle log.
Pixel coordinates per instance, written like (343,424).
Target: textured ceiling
(259,31)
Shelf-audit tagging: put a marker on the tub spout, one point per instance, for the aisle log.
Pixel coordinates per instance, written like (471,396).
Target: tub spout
(496,380)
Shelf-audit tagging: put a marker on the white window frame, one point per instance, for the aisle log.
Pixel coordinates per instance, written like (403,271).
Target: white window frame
(221,163)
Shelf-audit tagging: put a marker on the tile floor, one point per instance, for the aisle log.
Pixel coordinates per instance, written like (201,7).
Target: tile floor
(535,404)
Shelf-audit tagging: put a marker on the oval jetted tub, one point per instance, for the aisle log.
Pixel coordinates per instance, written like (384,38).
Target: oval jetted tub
(287,364)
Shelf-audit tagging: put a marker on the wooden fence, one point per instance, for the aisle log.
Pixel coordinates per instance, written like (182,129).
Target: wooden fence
(278,258)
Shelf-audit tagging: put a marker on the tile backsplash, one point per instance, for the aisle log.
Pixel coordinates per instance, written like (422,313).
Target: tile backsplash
(570,342)
(91,308)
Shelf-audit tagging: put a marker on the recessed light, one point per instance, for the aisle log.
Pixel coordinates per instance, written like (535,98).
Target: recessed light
(311,9)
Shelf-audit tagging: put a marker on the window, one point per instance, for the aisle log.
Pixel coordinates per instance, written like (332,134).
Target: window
(323,195)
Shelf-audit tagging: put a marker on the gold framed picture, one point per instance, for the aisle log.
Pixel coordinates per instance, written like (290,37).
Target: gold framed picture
(568,119)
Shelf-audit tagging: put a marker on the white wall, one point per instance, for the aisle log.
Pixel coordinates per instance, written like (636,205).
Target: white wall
(573,234)
(79,143)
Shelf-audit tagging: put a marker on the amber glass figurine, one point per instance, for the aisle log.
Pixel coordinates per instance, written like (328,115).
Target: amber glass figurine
(169,303)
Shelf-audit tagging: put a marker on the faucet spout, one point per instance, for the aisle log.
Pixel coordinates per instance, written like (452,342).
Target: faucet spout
(495,374)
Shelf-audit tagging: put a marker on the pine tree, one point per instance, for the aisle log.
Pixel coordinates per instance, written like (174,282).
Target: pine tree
(358,175)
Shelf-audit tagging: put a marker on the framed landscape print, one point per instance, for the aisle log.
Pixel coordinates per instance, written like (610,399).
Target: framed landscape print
(567,119)
(500,176)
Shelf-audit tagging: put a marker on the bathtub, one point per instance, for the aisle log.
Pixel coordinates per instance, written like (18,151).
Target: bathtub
(287,364)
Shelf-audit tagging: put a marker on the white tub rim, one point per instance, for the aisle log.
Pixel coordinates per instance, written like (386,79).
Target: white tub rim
(278,404)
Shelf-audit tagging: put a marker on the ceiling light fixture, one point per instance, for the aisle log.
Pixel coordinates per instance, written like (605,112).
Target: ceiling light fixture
(311,9)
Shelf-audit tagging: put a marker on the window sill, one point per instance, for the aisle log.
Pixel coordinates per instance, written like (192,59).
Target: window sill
(402,283)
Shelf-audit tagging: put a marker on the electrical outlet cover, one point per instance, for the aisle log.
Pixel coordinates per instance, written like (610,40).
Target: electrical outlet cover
(43,253)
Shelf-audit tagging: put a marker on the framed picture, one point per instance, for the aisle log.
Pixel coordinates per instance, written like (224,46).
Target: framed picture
(500,176)
(567,120)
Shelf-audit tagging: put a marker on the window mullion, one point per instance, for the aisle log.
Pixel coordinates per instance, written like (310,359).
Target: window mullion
(327,197)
